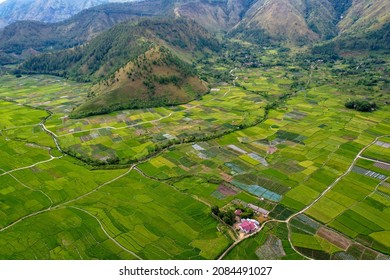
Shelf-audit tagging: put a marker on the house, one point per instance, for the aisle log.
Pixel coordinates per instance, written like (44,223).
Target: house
(248,225)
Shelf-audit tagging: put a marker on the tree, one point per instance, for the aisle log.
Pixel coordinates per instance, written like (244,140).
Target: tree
(248,214)
(229,217)
(363,106)
(227,220)
(360,105)
(350,104)
(215,210)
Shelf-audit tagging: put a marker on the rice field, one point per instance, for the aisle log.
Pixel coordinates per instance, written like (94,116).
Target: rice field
(226,147)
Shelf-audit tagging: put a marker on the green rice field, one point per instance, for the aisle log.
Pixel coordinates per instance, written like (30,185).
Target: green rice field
(139,184)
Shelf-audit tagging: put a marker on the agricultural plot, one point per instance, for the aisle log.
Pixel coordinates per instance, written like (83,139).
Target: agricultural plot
(318,153)
(45,185)
(281,159)
(270,243)
(320,242)
(129,135)
(374,166)
(154,220)
(59,234)
(272,81)
(22,141)
(379,151)
(61,184)
(358,207)
(51,93)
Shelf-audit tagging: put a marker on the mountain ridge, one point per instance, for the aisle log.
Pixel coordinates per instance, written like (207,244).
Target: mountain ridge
(298,22)
(48,11)
(19,37)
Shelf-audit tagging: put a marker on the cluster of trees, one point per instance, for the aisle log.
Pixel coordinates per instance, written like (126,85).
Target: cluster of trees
(172,79)
(169,59)
(7,59)
(82,63)
(182,33)
(114,160)
(42,37)
(374,40)
(136,103)
(229,217)
(257,36)
(327,51)
(361,105)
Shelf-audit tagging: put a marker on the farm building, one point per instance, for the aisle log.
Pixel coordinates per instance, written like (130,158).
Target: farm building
(259,210)
(248,225)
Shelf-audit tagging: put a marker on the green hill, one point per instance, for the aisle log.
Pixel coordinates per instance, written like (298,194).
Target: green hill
(43,10)
(155,78)
(134,65)
(114,48)
(296,22)
(18,37)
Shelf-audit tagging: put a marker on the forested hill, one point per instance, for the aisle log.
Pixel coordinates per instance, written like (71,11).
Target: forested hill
(295,22)
(112,49)
(21,37)
(45,10)
(155,78)
(134,65)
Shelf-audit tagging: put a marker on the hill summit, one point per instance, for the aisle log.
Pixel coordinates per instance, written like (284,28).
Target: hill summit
(155,78)
(134,65)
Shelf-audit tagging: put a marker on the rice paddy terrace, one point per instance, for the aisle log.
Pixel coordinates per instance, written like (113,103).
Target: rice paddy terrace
(139,184)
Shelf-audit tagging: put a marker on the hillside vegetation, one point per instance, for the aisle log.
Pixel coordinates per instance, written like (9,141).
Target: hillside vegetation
(137,65)
(295,22)
(155,78)
(112,49)
(18,39)
(43,10)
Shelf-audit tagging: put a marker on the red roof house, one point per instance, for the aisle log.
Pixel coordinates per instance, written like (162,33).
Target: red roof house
(248,226)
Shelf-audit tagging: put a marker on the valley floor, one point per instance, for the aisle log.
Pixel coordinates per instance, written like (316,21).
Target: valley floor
(139,184)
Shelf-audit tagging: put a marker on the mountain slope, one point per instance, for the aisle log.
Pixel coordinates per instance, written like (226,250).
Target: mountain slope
(155,78)
(45,10)
(365,16)
(298,21)
(19,37)
(214,15)
(260,21)
(113,48)
(137,64)
(365,25)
